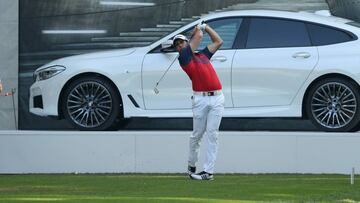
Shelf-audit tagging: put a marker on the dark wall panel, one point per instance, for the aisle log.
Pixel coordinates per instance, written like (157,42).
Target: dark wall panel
(36,48)
(345,8)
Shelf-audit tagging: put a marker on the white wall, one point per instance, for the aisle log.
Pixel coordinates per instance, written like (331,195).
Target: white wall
(8,60)
(166,152)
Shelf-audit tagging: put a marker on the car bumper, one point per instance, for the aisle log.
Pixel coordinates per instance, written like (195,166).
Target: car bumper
(44,98)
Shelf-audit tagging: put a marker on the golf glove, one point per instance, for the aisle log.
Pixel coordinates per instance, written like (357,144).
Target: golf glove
(202,26)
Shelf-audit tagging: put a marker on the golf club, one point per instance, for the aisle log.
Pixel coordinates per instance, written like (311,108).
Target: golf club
(157,83)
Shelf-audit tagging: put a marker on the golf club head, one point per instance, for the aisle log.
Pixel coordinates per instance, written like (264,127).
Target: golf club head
(156,90)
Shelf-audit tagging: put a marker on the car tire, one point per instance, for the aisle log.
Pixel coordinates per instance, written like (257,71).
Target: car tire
(333,105)
(91,103)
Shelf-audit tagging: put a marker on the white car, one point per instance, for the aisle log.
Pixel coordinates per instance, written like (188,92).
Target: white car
(272,64)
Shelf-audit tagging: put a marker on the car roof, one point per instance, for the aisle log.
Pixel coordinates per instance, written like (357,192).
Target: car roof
(302,15)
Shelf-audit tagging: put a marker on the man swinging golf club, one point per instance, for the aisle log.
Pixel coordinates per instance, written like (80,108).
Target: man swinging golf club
(207,100)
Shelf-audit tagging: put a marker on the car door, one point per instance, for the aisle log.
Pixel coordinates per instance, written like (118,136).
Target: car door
(273,61)
(175,89)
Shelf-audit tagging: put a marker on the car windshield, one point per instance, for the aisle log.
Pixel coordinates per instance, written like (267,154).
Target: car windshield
(356,24)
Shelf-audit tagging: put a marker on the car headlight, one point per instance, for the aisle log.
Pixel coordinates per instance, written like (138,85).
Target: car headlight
(48,72)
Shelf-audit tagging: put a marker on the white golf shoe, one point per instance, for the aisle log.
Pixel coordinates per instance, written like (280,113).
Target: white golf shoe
(202,176)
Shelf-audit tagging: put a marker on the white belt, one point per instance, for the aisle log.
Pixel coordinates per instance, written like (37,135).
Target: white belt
(210,93)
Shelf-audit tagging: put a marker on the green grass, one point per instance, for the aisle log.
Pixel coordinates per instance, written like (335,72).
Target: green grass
(111,188)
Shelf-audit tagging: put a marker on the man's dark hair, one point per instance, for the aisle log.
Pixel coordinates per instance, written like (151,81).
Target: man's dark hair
(177,40)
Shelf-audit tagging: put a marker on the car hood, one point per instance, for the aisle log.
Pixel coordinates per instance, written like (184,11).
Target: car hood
(103,54)
(94,55)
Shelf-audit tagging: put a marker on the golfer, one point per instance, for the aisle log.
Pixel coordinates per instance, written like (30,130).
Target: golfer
(207,100)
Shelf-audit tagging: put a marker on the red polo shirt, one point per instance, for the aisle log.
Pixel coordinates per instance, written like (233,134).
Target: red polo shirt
(199,69)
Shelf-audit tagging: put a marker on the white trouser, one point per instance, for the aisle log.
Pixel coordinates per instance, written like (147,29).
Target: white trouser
(207,114)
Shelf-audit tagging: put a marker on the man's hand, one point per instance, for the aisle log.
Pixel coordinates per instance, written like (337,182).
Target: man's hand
(196,29)
(202,26)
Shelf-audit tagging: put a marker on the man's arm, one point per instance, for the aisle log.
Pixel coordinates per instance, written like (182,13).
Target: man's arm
(196,38)
(215,38)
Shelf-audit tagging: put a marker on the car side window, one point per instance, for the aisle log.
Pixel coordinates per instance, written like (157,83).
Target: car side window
(324,35)
(275,33)
(227,29)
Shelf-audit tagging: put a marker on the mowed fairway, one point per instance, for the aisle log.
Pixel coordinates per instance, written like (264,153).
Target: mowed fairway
(176,188)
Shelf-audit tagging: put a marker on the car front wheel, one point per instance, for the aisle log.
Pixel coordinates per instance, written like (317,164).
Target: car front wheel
(333,105)
(91,103)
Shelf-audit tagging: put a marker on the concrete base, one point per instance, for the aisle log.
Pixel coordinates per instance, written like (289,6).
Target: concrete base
(166,152)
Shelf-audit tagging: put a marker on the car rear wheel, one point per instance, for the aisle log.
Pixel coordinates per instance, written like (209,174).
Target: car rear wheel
(91,103)
(333,105)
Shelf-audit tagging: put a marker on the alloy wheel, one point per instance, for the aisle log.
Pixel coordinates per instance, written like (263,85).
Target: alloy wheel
(333,105)
(89,104)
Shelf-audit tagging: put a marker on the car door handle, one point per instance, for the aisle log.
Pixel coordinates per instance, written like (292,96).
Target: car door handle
(304,55)
(219,58)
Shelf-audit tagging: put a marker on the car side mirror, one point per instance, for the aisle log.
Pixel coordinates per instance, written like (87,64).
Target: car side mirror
(167,46)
